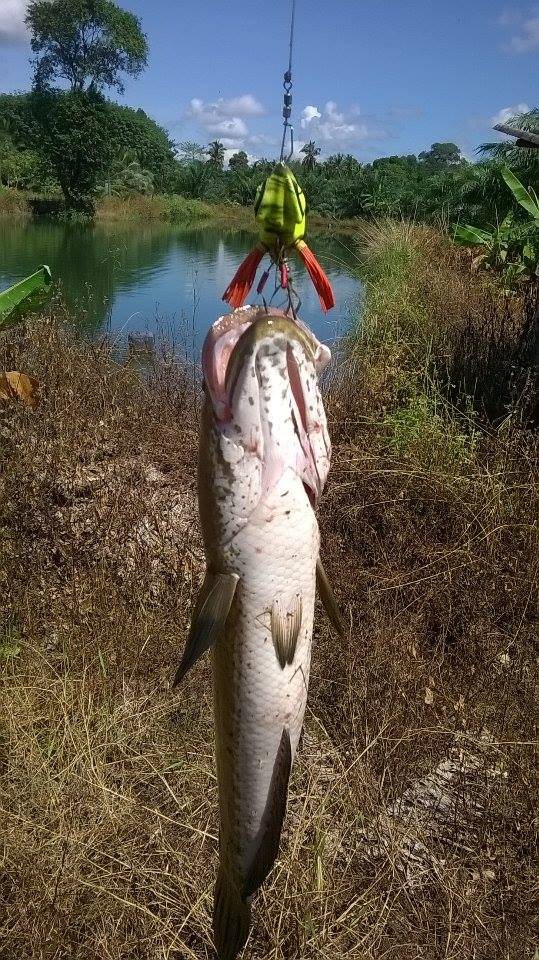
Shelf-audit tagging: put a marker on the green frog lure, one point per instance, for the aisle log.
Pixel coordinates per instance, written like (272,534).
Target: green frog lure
(280,210)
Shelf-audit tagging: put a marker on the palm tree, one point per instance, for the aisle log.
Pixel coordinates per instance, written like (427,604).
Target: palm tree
(525,160)
(311,152)
(215,152)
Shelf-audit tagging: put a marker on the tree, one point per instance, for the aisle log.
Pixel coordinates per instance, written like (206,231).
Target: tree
(75,139)
(441,156)
(342,164)
(126,129)
(192,180)
(190,151)
(215,152)
(239,161)
(523,160)
(311,152)
(127,176)
(134,130)
(88,43)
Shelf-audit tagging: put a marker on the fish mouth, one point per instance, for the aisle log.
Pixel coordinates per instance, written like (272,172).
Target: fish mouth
(235,336)
(267,326)
(260,372)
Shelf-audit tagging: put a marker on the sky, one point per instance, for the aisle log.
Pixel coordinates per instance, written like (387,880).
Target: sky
(370,78)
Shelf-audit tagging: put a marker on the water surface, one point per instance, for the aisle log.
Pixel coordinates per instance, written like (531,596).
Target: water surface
(156,278)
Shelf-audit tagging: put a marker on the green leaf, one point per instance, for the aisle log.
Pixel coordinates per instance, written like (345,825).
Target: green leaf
(24,296)
(472,236)
(507,221)
(530,254)
(520,193)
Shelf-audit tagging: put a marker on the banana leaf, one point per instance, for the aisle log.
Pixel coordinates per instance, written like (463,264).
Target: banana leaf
(29,294)
(525,198)
(471,236)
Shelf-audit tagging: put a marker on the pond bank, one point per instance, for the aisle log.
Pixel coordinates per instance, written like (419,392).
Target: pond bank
(164,208)
(417,757)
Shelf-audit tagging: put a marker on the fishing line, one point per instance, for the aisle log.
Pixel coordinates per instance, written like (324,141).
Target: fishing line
(280,211)
(287,84)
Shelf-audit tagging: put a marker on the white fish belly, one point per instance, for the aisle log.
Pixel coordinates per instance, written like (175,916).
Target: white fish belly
(255,699)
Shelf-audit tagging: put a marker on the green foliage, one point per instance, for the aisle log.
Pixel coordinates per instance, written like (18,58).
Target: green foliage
(88,43)
(74,139)
(239,161)
(523,160)
(127,129)
(216,154)
(150,144)
(193,180)
(441,156)
(19,169)
(127,176)
(527,199)
(27,295)
(180,210)
(510,248)
(311,152)
(419,431)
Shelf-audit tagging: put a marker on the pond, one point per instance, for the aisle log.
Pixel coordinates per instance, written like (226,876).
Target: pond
(136,278)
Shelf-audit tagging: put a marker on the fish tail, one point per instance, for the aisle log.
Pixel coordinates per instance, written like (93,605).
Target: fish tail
(231,918)
(244,278)
(317,275)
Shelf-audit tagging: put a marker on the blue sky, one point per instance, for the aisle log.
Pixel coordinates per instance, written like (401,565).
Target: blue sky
(371,78)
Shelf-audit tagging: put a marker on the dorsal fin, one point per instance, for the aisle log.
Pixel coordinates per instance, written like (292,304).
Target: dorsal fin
(328,599)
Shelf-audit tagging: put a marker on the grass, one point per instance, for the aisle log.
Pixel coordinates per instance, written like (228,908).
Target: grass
(159,207)
(410,827)
(13,205)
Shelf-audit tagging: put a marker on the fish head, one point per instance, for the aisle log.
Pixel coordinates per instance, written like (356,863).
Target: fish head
(261,379)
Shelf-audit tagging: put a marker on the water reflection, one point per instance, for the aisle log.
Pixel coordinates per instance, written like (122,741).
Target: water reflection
(134,277)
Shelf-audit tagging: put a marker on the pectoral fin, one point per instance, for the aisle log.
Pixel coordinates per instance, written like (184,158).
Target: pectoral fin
(209,618)
(285,627)
(272,819)
(328,599)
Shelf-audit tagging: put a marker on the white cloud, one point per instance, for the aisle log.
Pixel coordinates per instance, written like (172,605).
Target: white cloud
(232,143)
(336,128)
(234,127)
(308,114)
(262,140)
(12,25)
(244,106)
(528,37)
(226,119)
(235,109)
(524,27)
(506,113)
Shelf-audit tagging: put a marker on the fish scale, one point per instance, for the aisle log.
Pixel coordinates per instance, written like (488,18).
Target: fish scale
(254,697)
(263,460)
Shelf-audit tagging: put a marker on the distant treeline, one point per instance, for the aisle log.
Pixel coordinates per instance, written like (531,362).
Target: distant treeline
(82,145)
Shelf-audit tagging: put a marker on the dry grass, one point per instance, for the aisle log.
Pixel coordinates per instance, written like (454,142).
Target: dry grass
(429,321)
(410,829)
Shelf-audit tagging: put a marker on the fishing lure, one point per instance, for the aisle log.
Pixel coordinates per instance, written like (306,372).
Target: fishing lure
(280,210)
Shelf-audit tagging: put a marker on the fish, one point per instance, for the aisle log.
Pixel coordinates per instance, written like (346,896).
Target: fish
(264,456)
